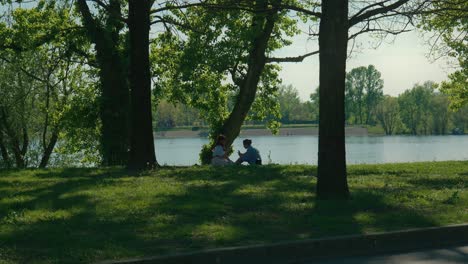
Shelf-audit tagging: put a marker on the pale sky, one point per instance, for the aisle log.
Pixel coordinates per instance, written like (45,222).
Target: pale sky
(402,62)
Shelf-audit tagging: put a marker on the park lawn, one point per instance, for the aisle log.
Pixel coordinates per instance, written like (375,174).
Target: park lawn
(86,215)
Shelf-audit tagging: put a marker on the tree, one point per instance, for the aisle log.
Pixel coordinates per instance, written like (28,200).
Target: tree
(36,85)
(314,104)
(374,92)
(415,108)
(460,120)
(450,28)
(355,89)
(290,103)
(103,25)
(364,90)
(142,153)
(333,45)
(111,56)
(336,28)
(388,114)
(229,42)
(439,106)
(140,13)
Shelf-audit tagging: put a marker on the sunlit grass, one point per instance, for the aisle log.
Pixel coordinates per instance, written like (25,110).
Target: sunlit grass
(85,215)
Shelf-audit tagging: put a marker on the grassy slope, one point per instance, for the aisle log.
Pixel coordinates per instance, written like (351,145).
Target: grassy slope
(83,215)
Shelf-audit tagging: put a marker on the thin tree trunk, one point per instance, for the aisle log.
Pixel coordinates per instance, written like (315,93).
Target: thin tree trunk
(142,154)
(360,110)
(46,119)
(48,149)
(115,97)
(333,40)
(25,145)
(4,150)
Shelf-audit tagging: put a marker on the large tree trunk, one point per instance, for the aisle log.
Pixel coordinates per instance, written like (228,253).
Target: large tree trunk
(333,41)
(248,86)
(115,97)
(142,154)
(114,110)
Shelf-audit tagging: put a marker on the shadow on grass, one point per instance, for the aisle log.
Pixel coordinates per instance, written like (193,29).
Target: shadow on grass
(439,183)
(69,219)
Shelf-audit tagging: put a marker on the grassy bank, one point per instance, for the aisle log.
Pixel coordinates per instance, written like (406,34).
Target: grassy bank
(243,127)
(84,215)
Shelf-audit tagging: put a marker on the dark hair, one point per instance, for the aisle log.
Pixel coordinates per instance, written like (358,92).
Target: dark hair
(247,142)
(219,139)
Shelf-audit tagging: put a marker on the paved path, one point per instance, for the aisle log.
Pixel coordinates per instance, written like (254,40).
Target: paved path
(452,255)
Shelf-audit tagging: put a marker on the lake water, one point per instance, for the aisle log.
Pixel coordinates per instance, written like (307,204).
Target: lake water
(303,149)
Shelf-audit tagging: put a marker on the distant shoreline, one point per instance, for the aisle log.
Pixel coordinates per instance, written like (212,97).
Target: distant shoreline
(306,131)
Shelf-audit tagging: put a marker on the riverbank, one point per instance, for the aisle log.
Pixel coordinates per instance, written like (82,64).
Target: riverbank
(286,131)
(87,215)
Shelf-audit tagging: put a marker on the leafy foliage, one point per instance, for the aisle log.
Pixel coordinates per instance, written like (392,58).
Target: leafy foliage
(415,111)
(364,91)
(41,78)
(388,114)
(451,26)
(204,66)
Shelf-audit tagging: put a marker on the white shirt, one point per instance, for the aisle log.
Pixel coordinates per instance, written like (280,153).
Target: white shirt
(218,151)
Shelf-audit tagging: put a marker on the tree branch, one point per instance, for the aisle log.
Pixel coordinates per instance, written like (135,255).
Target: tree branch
(25,71)
(368,14)
(291,59)
(109,10)
(300,10)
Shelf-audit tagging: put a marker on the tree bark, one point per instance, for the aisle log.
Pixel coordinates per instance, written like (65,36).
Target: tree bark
(49,148)
(14,142)
(115,96)
(333,42)
(4,150)
(142,154)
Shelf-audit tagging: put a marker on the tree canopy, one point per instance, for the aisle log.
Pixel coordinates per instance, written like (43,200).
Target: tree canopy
(449,26)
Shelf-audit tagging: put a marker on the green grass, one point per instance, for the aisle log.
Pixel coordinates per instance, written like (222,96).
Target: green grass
(86,215)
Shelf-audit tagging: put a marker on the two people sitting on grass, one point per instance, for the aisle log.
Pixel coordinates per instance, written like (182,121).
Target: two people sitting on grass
(221,157)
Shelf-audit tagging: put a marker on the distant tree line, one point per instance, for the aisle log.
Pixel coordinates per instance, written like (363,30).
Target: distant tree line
(421,110)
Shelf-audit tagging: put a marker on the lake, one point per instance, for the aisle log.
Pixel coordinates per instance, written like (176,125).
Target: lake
(303,149)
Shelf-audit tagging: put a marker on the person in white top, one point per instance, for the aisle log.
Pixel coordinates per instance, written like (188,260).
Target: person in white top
(220,156)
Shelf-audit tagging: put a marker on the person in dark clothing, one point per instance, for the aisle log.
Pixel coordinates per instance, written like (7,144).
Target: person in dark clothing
(251,155)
